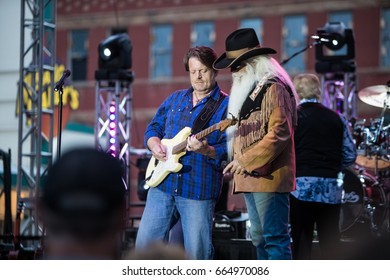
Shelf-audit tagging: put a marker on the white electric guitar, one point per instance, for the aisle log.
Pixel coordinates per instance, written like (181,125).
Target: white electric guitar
(176,148)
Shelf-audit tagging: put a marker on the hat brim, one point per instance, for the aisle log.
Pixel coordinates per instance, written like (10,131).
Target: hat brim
(223,62)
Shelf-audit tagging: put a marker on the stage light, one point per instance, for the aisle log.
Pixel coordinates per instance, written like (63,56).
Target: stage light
(106,53)
(335,48)
(336,43)
(112,130)
(333,37)
(115,53)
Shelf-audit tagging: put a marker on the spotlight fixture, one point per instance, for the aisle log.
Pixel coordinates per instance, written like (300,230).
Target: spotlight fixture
(335,48)
(115,53)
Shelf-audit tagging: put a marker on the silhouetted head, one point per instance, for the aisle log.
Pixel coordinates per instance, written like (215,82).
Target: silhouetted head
(83,196)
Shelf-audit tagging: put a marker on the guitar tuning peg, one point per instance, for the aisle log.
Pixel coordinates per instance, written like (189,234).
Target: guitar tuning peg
(234,119)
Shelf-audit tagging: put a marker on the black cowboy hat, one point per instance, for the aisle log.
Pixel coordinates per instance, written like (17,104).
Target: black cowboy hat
(240,45)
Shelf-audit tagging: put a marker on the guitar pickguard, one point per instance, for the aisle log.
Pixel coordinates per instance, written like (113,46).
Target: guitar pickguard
(159,170)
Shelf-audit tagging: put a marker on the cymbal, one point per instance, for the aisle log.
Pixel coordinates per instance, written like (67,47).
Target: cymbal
(375,96)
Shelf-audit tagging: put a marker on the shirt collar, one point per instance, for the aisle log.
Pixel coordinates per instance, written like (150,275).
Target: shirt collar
(214,92)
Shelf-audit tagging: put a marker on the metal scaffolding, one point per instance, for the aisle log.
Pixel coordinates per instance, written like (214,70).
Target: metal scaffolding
(339,93)
(113,120)
(335,60)
(36,80)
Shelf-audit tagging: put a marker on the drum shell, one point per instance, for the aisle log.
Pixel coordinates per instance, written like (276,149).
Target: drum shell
(363,202)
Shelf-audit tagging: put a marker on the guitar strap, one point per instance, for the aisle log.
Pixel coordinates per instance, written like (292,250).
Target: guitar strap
(207,112)
(254,100)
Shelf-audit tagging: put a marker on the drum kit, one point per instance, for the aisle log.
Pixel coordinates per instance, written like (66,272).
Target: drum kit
(366,188)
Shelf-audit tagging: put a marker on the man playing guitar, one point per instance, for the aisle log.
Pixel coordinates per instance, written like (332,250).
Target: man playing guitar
(187,190)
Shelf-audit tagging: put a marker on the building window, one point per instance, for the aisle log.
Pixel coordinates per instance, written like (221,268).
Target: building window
(346,18)
(203,34)
(294,41)
(385,38)
(79,54)
(161,51)
(256,24)
(343,16)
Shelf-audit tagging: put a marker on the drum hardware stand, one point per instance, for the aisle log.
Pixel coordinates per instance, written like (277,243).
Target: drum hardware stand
(375,232)
(380,127)
(378,150)
(376,169)
(369,211)
(385,106)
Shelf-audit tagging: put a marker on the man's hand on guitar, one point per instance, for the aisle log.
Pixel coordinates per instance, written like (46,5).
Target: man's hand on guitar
(167,152)
(201,147)
(159,151)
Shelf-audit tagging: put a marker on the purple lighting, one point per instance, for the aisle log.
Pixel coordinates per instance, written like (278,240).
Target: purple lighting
(112,129)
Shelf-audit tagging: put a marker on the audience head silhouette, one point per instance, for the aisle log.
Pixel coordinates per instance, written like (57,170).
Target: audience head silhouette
(82,205)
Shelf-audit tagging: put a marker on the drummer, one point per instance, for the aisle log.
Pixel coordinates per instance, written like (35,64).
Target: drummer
(324,146)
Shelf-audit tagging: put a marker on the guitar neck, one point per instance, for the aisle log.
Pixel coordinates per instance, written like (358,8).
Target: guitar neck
(182,145)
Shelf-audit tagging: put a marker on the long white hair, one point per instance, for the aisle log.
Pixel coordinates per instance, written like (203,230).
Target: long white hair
(258,70)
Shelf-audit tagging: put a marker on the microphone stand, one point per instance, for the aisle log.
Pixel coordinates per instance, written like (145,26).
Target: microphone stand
(59,129)
(60,88)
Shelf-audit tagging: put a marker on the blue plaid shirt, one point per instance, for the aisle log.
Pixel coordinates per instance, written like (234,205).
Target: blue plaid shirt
(200,177)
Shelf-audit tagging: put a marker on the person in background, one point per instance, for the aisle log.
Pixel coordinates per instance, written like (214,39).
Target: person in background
(82,206)
(323,148)
(263,99)
(191,193)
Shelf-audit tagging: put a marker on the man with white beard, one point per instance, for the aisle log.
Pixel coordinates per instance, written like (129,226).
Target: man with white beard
(262,144)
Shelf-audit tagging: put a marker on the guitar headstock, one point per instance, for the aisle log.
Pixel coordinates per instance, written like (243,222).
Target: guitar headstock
(224,124)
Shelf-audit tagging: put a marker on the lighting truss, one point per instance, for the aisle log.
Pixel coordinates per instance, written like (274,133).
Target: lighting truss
(113,115)
(339,93)
(335,54)
(35,147)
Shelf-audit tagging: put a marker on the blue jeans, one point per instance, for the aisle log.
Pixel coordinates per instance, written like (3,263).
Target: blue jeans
(161,213)
(269,218)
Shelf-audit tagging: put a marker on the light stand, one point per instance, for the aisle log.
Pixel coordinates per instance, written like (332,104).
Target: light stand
(113,102)
(335,61)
